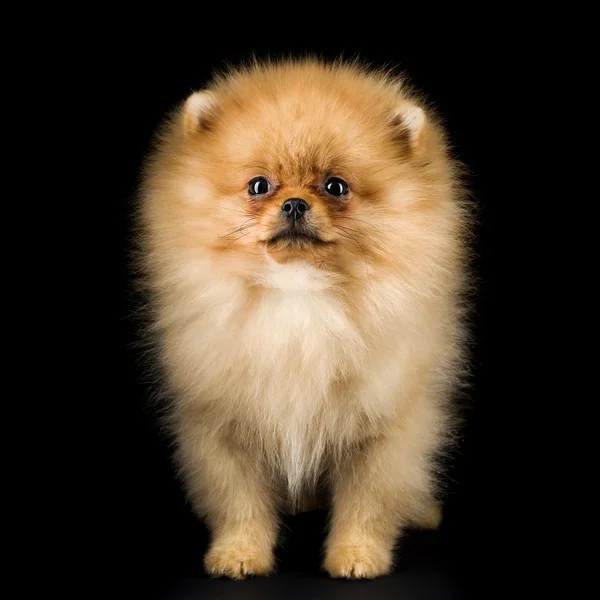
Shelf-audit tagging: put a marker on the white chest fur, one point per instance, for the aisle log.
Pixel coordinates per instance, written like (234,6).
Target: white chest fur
(299,334)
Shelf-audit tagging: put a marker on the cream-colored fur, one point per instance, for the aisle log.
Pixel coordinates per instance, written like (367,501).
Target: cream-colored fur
(292,369)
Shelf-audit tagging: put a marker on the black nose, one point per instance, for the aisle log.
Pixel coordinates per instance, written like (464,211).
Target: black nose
(295,208)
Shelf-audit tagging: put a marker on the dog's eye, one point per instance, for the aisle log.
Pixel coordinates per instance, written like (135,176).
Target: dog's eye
(336,187)
(258,186)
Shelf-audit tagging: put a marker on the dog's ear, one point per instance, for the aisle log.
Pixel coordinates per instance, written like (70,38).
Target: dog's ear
(198,112)
(408,121)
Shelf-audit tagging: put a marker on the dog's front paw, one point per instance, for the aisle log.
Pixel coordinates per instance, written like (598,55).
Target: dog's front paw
(238,558)
(362,560)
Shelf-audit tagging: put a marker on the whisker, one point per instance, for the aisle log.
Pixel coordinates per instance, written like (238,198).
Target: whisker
(239,229)
(235,240)
(374,242)
(236,211)
(368,225)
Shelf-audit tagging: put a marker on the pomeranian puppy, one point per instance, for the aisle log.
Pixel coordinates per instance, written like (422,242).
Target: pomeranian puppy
(304,238)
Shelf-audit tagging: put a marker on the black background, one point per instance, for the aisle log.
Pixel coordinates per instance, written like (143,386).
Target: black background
(155,543)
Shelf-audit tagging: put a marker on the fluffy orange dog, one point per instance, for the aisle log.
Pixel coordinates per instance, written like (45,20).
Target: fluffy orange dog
(304,239)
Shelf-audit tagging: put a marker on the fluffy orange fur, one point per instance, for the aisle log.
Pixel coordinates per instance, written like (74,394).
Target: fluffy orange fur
(322,367)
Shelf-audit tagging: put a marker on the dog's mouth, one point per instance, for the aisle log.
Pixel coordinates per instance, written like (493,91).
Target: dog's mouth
(297,237)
